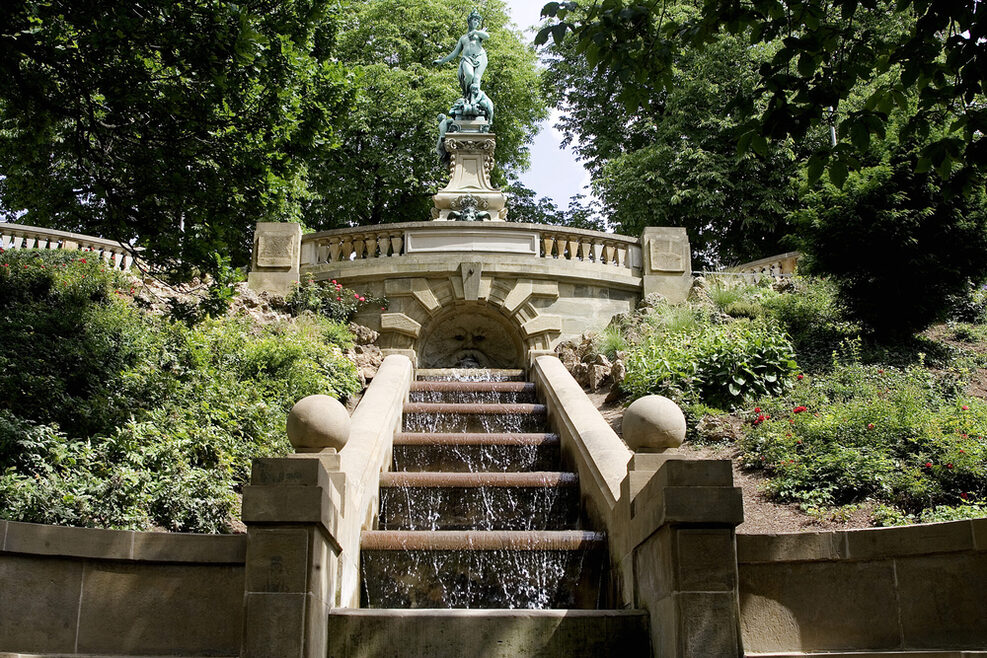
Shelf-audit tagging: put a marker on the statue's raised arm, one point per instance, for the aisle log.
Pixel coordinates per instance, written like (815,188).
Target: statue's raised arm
(473,57)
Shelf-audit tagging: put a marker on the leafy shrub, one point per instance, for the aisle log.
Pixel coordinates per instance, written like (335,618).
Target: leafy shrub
(330,299)
(897,246)
(718,365)
(903,437)
(113,418)
(813,318)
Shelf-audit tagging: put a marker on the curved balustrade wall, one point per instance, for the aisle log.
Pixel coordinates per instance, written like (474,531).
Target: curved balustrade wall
(18,236)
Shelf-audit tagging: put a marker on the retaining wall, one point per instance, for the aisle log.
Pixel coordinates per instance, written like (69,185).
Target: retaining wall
(73,591)
(894,589)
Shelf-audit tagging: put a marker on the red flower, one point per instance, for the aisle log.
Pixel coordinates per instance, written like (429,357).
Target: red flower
(363,299)
(880,372)
(928,464)
(800,377)
(965,408)
(334,282)
(339,299)
(82,260)
(757,410)
(759,420)
(870,426)
(962,452)
(949,465)
(799,409)
(383,308)
(964,495)
(356,296)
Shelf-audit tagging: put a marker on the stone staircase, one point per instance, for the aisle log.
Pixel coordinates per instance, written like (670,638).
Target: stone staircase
(481,548)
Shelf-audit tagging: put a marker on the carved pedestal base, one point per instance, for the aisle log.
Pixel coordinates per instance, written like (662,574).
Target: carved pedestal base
(470,196)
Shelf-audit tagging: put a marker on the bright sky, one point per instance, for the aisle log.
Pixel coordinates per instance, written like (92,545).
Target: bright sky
(554,171)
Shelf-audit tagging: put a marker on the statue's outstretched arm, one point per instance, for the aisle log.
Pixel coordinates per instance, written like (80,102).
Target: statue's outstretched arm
(451,56)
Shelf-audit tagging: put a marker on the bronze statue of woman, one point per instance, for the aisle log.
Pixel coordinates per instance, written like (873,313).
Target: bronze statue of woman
(473,58)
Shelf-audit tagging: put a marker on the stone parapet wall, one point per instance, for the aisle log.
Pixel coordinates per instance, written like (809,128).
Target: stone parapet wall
(79,591)
(917,588)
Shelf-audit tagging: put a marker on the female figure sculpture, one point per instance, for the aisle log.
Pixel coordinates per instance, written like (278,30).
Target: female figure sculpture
(473,58)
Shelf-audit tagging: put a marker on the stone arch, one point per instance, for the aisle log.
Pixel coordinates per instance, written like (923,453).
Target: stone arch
(504,302)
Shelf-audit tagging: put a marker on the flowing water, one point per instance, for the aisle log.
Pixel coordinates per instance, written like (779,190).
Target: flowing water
(529,496)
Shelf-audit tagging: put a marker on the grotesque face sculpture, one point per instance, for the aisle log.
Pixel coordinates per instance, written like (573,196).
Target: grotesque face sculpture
(473,338)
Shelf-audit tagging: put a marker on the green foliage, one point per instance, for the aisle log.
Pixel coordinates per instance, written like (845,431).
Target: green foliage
(176,125)
(330,299)
(672,160)
(718,365)
(896,247)
(113,418)
(903,437)
(814,319)
(610,342)
(386,169)
(845,64)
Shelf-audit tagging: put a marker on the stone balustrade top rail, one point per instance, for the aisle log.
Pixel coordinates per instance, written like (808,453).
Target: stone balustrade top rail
(779,265)
(20,236)
(424,238)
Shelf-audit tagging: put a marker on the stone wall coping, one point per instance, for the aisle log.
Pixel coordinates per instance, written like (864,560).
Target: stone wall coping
(864,544)
(97,544)
(486,226)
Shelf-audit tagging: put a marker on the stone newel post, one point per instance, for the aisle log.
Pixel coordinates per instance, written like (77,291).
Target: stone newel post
(276,261)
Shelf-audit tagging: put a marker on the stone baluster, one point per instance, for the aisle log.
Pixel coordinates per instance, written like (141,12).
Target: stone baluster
(335,246)
(608,253)
(547,244)
(397,244)
(622,255)
(585,249)
(347,247)
(383,244)
(573,246)
(598,251)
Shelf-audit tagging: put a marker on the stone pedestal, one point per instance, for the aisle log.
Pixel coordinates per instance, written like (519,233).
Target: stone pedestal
(471,159)
(667,263)
(683,557)
(292,509)
(276,262)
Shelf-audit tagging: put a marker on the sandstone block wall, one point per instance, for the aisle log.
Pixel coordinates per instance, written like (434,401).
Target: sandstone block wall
(895,589)
(80,591)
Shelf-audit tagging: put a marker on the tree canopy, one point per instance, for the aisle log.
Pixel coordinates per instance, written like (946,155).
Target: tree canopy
(175,126)
(672,160)
(828,51)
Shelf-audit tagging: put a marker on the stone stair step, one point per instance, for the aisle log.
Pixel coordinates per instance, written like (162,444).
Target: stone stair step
(481,540)
(474,409)
(459,374)
(539,479)
(478,387)
(475,439)
(362,633)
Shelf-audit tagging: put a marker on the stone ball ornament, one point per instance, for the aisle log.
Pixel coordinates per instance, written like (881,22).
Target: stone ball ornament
(318,422)
(653,424)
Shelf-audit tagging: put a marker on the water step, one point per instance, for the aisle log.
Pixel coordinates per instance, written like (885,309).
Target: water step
(478,409)
(468,374)
(479,387)
(476,452)
(481,540)
(360,633)
(467,480)
(476,439)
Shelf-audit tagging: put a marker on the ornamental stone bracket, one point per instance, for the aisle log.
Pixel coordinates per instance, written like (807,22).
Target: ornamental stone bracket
(418,304)
(470,195)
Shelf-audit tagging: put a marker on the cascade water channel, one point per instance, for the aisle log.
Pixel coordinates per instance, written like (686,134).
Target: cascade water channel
(477,511)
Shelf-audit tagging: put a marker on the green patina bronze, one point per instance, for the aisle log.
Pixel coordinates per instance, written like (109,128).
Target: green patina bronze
(475,107)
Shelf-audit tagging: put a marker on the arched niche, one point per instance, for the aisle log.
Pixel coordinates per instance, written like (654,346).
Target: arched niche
(470,336)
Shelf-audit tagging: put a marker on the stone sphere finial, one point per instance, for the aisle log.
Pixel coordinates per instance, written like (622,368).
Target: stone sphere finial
(653,424)
(318,422)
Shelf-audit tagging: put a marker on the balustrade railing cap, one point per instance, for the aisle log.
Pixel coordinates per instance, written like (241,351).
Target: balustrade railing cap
(548,229)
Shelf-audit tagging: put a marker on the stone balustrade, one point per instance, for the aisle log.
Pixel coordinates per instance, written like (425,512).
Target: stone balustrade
(538,241)
(776,267)
(19,236)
